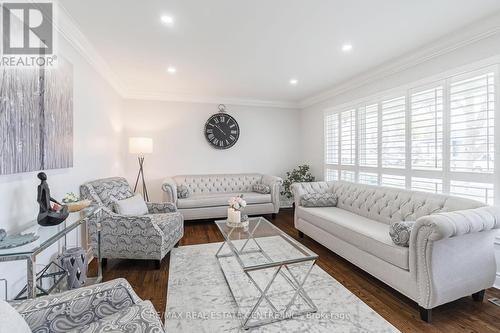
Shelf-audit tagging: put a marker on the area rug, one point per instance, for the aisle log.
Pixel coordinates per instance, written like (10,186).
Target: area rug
(199,299)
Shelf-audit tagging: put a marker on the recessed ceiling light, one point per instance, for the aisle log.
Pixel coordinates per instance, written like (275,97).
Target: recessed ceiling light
(294,82)
(171,69)
(347,47)
(169,20)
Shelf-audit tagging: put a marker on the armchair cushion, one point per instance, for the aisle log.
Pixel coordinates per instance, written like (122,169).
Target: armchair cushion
(11,320)
(132,206)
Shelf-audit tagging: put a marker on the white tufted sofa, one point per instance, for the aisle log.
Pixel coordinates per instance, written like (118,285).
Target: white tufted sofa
(210,193)
(451,252)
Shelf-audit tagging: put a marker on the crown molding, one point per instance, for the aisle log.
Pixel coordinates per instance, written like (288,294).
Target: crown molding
(69,30)
(451,42)
(67,27)
(182,97)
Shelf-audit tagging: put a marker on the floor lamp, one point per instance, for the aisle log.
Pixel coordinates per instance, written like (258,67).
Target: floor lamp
(140,147)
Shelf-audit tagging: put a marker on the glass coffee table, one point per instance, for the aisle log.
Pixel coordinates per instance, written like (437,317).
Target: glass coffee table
(265,270)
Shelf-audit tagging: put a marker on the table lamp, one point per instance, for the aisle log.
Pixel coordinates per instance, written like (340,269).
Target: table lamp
(140,146)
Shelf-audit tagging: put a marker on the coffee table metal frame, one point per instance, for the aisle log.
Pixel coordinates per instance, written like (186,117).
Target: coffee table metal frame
(281,268)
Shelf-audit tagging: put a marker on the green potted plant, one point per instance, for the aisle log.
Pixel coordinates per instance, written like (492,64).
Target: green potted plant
(299,175)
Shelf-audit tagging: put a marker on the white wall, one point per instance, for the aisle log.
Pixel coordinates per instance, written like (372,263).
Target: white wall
(269,140)
(97,153)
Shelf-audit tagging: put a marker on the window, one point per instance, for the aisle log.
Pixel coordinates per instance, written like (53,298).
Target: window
(475,191)
(349,176)
(393,181)
(332,138)
(438,137)
(427,129)
(368,136)
(368,178)
(393,133)
(331,175)
(347,137)
(427,184)
(472,124)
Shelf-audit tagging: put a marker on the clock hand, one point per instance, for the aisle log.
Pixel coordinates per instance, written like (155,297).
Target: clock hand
(220,129)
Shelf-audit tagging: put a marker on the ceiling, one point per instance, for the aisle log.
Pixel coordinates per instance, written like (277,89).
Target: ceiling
(251,49)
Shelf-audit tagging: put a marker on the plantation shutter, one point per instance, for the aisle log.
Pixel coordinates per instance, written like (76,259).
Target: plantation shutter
(332,138)
(427,129)
(348,137)
(393,132)
(472,124)
(368,136)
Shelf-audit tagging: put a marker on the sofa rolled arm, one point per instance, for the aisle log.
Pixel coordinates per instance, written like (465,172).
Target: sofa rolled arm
(299,189)
(169,187)
(452,254)
(274,184)
(75,308)
(457,223)
(159,208)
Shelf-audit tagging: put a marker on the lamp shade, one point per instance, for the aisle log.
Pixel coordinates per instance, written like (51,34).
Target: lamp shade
(140,146)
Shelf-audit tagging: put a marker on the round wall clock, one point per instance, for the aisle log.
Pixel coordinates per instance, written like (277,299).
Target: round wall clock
(221,130)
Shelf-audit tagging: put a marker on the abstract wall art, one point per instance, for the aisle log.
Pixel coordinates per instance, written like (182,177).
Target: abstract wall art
(36,118)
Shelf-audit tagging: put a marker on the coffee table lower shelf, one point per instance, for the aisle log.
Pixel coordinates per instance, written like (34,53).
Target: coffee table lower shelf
(268,293)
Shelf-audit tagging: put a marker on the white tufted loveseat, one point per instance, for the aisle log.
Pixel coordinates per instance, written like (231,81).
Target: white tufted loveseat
(209,194)
(450,254)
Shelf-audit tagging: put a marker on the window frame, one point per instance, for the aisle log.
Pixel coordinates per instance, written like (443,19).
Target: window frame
(444,80)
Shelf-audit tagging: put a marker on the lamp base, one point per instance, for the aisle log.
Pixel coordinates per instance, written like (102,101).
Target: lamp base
(140,175)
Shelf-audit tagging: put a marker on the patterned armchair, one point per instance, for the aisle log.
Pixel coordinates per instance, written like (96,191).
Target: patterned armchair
(106,307)
(149,236)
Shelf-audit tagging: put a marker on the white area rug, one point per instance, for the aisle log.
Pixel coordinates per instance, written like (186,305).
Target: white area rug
(199,299)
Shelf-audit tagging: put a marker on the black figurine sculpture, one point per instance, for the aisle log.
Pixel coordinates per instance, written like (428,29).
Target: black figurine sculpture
(48,215)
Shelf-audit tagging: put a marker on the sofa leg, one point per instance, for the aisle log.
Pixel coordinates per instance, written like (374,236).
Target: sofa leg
(479,296)
(425,314)
(301,234)
(157,264)
(104,261)
(273,216)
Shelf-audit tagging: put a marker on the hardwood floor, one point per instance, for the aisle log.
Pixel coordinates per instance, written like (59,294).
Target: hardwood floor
(463,315)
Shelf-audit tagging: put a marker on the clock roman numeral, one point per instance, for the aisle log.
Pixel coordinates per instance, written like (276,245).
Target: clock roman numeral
(222,119)
(210,130)
(232,125)
(234,132)
(216,120)
(232,138)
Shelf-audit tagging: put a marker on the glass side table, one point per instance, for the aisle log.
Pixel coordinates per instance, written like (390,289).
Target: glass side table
(48,236)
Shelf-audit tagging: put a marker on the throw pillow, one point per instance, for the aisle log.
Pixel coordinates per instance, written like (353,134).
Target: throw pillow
(11,320)
(400,232)
(182,192)
(132,206)
(261,188)
(318,200)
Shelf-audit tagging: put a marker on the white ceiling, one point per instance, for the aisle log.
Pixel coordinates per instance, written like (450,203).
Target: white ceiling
(245,49)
